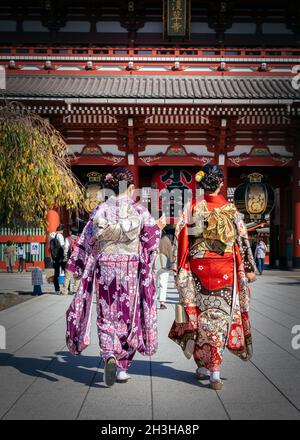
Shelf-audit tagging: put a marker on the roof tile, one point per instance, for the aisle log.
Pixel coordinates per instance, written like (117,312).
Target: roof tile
(176,87)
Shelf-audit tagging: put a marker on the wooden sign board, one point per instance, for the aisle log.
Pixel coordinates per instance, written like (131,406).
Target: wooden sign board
(176,19)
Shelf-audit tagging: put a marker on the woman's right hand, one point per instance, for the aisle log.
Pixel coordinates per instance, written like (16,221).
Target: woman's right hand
(251,277)
(162,221)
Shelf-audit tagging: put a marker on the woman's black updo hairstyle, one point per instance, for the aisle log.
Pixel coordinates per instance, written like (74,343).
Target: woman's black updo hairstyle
(209,178)
(120,176)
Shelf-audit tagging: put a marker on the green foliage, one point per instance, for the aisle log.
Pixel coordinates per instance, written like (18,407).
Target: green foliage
(35,175)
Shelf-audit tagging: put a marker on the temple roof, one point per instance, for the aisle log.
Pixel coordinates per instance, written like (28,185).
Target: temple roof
(166,88)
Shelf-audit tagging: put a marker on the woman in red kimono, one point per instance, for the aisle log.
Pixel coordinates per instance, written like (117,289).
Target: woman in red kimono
(214,266)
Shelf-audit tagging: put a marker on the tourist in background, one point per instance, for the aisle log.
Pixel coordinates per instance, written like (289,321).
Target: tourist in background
(260,255)
(21,257)
(253,246)
(9,256)
(163,265)
(71,283)
(57,248)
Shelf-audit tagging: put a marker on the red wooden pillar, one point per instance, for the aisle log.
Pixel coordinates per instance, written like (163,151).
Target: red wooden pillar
(296,207)
(225,171)
(136,167)
(221,159)
(132,161)
(132,155)
(65,218)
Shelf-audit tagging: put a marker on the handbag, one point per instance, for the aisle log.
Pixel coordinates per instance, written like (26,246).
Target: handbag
(181,316)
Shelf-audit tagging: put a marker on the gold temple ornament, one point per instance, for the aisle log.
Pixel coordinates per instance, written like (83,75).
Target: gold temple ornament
(93,195)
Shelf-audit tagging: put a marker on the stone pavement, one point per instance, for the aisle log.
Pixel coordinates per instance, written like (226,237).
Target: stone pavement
(39,379)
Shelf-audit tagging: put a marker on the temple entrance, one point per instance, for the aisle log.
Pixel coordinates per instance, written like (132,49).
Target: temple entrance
(175,186)
(170,179)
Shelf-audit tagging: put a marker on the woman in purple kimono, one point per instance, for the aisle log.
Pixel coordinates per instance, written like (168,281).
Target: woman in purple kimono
(114,258)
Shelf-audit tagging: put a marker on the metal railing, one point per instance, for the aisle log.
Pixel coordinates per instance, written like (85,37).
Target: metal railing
(23,232)
(146,52)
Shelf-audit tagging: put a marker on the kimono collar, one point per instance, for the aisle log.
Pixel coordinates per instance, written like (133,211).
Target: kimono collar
(217,200)
(113,202)
(124,198)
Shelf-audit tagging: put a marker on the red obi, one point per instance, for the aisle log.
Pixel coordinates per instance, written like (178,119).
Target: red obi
(214,271)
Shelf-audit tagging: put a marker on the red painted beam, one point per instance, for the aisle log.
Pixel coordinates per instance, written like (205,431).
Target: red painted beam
(174,160)
(98,160)
(40,264)
(259,161)
(23,238)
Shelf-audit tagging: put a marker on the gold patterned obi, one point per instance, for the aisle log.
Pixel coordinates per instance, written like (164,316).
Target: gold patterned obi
(117,232)
(214,230)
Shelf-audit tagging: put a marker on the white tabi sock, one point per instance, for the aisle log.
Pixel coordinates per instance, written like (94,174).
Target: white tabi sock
(215,376)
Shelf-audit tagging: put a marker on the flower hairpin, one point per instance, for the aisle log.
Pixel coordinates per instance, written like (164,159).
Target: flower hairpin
(108,177)
(199,176)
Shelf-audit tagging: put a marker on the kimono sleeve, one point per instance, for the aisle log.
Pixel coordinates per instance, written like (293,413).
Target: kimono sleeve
(244,244)
(150,233)
(83,248)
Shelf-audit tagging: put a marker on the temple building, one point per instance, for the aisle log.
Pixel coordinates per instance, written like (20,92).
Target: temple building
(164,87)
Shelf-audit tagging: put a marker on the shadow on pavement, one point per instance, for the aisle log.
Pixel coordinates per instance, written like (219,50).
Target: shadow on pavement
(81,368)
(288,283)
(21,292)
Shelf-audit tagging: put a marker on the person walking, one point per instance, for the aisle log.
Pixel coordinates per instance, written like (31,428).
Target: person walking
(71,283)
(253,247)
(9,256)
(114,257)
(21,257)
(163,265)
(214,265)
(57,249)
(260,255)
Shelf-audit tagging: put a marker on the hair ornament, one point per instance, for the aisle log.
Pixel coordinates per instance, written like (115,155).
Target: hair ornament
(199,176)
(108,177)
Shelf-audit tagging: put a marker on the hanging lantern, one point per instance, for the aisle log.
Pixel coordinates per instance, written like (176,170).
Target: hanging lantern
(93,195)
(254,198)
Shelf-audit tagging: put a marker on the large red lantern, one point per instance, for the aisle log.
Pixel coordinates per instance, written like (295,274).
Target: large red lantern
(176,186)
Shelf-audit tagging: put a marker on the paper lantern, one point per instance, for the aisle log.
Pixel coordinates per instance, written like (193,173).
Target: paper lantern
(255,199)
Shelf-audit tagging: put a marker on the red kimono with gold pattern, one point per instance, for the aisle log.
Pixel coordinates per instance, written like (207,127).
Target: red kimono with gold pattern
(213,255)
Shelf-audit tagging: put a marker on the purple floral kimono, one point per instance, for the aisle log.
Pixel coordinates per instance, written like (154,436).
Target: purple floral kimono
(114,258)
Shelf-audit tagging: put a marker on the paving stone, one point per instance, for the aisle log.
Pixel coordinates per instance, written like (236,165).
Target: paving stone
(40,379)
